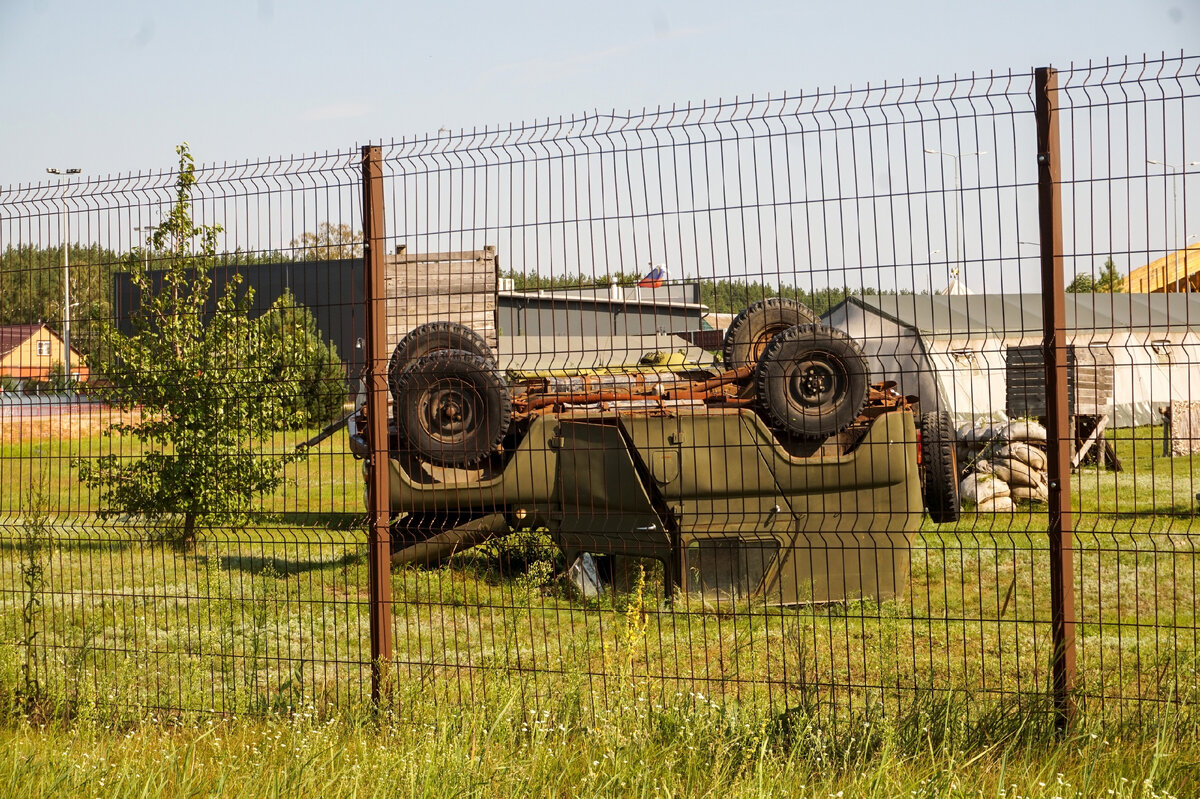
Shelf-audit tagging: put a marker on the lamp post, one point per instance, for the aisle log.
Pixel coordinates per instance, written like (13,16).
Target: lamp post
(957,196)
(65,230)
(1175,170)
(149,232)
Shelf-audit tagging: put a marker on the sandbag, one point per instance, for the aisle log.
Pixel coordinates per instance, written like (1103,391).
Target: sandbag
(978,436)
(1038,493)
(1014,472)
(1025,430)
(1019,450)
(979,488)
(983,466)
(996,505)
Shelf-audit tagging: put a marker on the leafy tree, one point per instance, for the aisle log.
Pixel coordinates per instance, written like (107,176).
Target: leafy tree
(1110,280)
(202,388)
(309,375)
(330,242)
(1084,283)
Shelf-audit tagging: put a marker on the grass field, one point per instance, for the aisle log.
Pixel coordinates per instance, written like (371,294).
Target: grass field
(102,629)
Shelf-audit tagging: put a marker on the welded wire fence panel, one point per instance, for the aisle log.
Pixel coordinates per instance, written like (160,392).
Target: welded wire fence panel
(741,402)
(807,531)
(697,507)
(165,542)
(1130,165)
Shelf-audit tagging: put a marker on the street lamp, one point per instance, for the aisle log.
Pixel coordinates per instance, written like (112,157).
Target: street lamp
(1175,170)
(957,196)
(65,230)
(149,232)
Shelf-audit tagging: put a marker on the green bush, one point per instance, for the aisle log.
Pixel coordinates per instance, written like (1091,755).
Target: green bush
(306,371)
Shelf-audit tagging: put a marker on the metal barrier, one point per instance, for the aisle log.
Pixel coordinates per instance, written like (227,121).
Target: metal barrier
(918,460)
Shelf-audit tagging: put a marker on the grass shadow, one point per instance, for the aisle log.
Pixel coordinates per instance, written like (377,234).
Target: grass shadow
(285,567)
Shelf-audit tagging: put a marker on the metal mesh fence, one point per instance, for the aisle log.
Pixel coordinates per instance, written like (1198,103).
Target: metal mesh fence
(770,402)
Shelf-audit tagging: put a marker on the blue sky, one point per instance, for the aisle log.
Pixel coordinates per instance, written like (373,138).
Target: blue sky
(112,87)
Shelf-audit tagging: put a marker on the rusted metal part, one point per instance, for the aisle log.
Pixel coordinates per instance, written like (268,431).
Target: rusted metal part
(1058,435)
(732,389)
(378,479)
(534,399)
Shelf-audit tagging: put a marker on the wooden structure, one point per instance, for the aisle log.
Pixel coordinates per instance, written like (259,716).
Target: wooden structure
(1089,393)
(1176,271)
(442,287)
(29,352)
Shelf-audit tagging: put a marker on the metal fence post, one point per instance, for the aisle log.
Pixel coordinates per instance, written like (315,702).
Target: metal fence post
(378,535)
(1059,439)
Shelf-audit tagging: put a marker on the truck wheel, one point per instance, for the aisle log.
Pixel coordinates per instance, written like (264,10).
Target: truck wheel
(752,330)
(939,466)
(812,381)
(434,337)
(453,407)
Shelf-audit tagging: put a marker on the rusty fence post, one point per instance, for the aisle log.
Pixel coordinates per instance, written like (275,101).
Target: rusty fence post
(1059,439)
(378,500)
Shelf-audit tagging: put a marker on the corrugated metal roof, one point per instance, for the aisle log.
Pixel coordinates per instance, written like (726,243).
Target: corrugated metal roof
(1022,313)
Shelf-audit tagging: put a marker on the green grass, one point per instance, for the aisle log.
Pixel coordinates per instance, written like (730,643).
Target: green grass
(639,747)
(272,620)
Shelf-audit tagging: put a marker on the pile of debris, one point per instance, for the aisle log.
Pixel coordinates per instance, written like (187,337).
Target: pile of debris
(1006,464)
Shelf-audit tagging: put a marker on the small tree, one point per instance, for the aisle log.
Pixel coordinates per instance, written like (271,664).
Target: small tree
(309,376)
(1110,280)
(202,388)
(1084,283)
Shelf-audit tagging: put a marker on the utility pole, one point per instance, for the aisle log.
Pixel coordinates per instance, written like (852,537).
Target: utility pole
(1174,236)
(65,230)
(957,199)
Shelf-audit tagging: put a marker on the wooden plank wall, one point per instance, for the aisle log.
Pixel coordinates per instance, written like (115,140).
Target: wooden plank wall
(1089,381)
(442,286)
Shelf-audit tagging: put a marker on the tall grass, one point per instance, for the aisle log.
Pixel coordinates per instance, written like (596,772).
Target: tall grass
(684,747)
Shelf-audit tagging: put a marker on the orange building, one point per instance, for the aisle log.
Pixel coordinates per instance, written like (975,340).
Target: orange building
(1177,271)
(29,352)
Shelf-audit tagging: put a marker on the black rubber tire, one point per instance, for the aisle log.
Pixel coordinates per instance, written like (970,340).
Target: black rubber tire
(812,381)
(751,331)
(433,337)
(939,467)
(453,407)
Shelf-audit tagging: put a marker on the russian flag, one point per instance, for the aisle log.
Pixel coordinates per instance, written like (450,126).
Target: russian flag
(654,278)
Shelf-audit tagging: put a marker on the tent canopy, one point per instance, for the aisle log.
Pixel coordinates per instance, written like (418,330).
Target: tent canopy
(951,350)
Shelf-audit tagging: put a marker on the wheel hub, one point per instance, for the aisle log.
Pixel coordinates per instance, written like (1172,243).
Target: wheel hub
(814,383)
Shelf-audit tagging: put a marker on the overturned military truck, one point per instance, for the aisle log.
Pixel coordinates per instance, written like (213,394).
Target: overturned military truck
(784,476)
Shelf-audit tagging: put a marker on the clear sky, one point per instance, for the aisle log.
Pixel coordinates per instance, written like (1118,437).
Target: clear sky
(112,87)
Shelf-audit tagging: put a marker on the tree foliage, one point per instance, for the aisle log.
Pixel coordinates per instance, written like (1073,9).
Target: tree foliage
(31,289)
(309,376)
(1109,281)
(329,243)
(203,390)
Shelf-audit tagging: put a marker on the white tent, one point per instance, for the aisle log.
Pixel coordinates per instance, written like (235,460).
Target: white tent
(952,350)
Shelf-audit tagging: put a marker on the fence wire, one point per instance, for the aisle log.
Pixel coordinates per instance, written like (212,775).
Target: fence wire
(741,402)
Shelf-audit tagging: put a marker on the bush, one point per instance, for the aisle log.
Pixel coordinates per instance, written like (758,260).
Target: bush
(308,374)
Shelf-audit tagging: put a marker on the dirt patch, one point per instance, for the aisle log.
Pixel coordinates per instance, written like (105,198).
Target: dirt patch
(64,422)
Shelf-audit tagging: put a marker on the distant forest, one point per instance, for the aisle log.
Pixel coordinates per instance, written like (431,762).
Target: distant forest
(31,284)
(720,296)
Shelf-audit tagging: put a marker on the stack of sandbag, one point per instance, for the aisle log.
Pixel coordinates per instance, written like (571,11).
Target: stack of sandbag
(1009,466)
(986,492)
